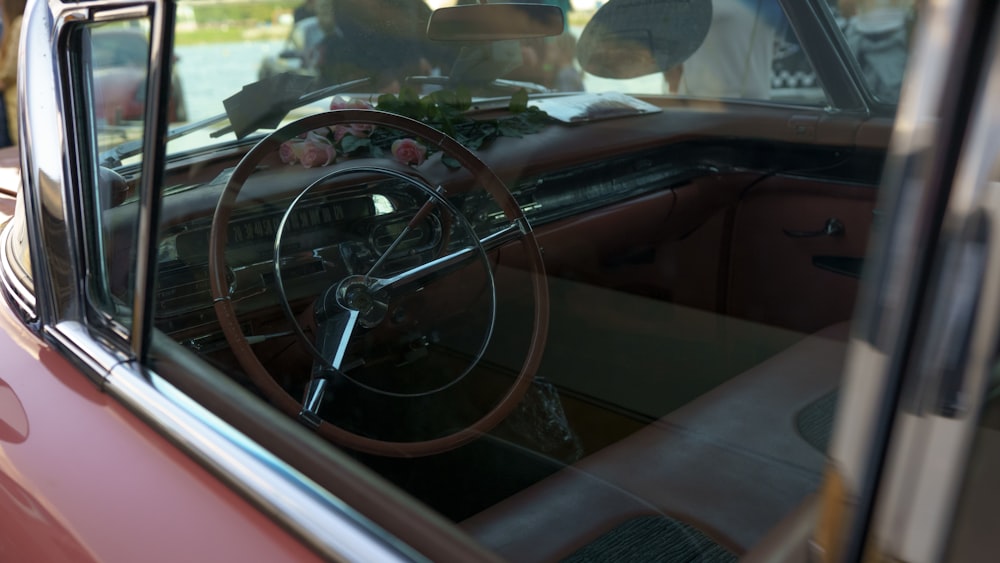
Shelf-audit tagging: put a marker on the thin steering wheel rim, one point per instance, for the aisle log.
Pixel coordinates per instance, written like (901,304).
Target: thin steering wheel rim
(442,201)
(484,176)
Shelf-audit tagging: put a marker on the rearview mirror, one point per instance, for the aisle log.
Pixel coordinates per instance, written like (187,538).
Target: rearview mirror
(495,22)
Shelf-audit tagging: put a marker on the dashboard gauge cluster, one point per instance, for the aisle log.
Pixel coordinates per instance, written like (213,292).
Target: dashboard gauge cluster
(325,238)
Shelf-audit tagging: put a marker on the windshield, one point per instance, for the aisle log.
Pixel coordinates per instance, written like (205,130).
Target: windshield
(262,61)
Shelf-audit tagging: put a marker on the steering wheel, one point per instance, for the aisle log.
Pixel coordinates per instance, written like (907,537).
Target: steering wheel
(357,303)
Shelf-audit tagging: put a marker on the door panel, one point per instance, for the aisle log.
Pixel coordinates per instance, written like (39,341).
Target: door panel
(797,249)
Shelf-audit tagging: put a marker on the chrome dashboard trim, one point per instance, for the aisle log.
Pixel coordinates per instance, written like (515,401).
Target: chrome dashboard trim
(322,521)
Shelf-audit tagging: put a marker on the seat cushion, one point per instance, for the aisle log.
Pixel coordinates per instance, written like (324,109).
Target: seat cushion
(730,463)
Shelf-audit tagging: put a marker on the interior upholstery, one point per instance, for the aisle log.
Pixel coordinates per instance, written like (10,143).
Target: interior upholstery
(774,277)
(730,463)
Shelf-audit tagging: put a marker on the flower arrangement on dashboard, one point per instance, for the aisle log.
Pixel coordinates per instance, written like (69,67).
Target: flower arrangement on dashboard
(442,110)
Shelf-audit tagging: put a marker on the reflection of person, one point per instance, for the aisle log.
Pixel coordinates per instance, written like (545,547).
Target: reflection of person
(12,11)
(4,134)
(559,55)
(544,59)
(734,60)
(878,33)
(381,39)
(304,10)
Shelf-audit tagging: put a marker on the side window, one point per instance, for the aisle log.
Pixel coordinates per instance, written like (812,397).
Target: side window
(749,52)
(878,35)
(113,58)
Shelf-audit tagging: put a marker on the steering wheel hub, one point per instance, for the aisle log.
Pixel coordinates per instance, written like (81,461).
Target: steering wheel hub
(355,293)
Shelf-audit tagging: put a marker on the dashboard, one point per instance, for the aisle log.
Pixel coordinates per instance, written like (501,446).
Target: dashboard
(337,228)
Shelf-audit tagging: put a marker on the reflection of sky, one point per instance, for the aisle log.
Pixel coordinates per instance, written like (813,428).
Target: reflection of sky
(210,73)
(649,84)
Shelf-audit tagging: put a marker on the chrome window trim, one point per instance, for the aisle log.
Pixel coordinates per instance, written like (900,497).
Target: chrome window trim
(46,117)
(931,445)
(19,294)
(154,145)
(915,184)
(80,347)
(322,521)
(811,19)
(43,172)
(53,221)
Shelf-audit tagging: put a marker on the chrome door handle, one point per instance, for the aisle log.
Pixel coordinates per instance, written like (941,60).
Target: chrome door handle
(833,228)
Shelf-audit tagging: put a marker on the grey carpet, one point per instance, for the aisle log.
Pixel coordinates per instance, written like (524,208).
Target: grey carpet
(815,421)
(653,539)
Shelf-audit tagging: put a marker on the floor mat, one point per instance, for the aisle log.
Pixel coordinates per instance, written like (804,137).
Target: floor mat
(815,422)
(653,539)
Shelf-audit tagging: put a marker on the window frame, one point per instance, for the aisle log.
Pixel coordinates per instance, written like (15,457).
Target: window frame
(885,376)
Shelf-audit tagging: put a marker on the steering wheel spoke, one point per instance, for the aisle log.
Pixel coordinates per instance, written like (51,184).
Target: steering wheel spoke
(450,262)
(315,393)
(422,273)
(333,335)
(517,230)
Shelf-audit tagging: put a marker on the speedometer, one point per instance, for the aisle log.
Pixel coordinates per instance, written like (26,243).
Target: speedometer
(422,237)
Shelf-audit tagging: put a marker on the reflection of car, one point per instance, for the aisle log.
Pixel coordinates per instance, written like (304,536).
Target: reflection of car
(455,328)
(119,56)
(297,51)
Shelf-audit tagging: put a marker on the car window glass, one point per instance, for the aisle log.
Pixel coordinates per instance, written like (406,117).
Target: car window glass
(749,51)
(629,290)
(878,32)
(120,55)
(116,55)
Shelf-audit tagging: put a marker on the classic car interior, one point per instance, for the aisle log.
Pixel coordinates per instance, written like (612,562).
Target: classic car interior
(623,328)
(683,244)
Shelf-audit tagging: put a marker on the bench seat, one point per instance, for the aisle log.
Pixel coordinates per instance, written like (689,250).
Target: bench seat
(730,463)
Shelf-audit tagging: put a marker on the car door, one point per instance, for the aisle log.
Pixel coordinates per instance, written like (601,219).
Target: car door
(914,447)
(715,462)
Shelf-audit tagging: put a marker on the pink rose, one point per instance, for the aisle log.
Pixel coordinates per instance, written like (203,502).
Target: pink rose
(340,103)
(287,152)
(340,131)
(322,133)
(408,151)
(316,152)
(361,130)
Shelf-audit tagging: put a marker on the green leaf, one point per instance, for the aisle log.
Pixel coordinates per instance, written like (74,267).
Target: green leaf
(387,102)
(409,95)
(351,144)
(519,101)
(444,110)
(464,98)
(510,128)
